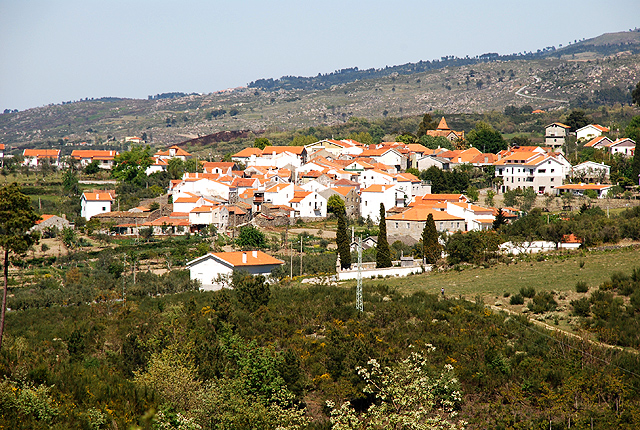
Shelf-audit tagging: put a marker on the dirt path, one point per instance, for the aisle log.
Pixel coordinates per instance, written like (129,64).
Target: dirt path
(564,332)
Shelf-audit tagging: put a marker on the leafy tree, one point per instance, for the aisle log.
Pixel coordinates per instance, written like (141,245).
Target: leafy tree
(342,241)
(407,138)
(16,219)
(335,205)
(528,198)
(362,137)
(175,168)
(435,142)
(92,168)
(510,198)
(261,142)
(635,95)
(431,248)
(577,119)
(130,166)
(633,132)
(427,123)
(383,253)
(472,193)
(499,220)
(70,183)
(251,238)
(408,396)
(488,200)
(486,139)
(252,291)
(472,247)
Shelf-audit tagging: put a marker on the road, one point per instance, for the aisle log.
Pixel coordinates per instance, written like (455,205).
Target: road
(519,93)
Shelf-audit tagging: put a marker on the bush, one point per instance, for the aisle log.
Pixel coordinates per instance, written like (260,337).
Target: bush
(581,287)
(527,292)
(516,299)
(543,302)
(581,307)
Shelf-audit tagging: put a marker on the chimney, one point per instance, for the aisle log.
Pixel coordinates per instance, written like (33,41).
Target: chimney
(244,257)
(254,254)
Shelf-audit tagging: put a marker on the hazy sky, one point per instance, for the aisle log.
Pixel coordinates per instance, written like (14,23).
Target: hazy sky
(54,51)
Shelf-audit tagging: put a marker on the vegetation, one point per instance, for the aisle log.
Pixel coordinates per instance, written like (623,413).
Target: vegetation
(431,248)
(383,254)
(343,243)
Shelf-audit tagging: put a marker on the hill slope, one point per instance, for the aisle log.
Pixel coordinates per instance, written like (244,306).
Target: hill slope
(542,81)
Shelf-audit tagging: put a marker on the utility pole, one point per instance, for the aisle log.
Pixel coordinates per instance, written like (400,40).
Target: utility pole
(124,271)
(359,305)
(300,254)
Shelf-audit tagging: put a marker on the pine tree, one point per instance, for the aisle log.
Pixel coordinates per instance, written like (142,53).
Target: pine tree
(500,220)
(431,249)
(342,241)
(383,254)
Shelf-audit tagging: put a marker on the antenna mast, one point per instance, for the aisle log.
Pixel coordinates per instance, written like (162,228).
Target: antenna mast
(359,305)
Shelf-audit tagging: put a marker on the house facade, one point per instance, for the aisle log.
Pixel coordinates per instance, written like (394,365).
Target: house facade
(555,135)
(214,270)
(95,203)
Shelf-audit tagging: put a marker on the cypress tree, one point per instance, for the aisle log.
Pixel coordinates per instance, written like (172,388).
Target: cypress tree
(431,249)
(383,254)
(342,241)
(500,219)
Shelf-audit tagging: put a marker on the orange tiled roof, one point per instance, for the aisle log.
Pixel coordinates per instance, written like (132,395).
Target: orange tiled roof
(420,213)
(44,218)
(97,197)
(42,153)
(376,188)
(90,153)
(236,258)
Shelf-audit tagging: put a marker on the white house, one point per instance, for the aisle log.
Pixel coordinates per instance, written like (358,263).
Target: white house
(590,171)
(475,217)
(86,156)
(214,270)
(529,169)
(555,134)
(590,131)
(94,204)
(601,190)
(279,194)
(625,147)
(36,157)
(187,202)
(372,196)
(375,177)
(217,215)
(308,204)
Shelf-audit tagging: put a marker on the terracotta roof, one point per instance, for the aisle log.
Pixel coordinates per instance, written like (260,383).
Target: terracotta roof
(179,152)
(44,218)
(202,209)
(376,188)
(89,153)
(560,124)
(570,238)
(343,190)
(472,207)
(187,199)
(248,152)
(583,187)
(97,197)
(420,213)
(600,140)
(298,196)
(42,153)
(165,220)
(236,258)
(236,210)
(443,125)
(297,150)
(442,197)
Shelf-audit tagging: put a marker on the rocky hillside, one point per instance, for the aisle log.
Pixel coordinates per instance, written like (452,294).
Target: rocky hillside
(563,77)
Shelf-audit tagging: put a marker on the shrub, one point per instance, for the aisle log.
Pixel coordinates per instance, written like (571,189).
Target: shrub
(581,287)
(516,299)
(542,302)
(527,292)
(581,307)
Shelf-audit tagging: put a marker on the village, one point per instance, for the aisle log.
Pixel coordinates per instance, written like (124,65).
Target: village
(278,186)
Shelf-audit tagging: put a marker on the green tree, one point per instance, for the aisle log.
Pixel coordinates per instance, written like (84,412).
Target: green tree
(472,193)
(633,132)
(16,219)
(130,166)
(383,253)
(70,183)
(635,95)
(251,238)
(499,220)
(252,291)
(261,142)
(528,199)
(92,168)
(431,248)
(489,199)
(175,168)
(335,205)
(427,123)
(511,198)
(486,139)
(577,119)
(342,241)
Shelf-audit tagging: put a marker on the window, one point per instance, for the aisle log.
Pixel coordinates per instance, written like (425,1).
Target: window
(552,179)
(553,170)
(396,227)
(408,225)
(542,170)
(104,208)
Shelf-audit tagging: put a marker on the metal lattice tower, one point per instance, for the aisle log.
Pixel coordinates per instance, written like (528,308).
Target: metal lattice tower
(359,305)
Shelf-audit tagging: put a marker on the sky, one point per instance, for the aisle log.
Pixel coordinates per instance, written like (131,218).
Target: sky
(65,50)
